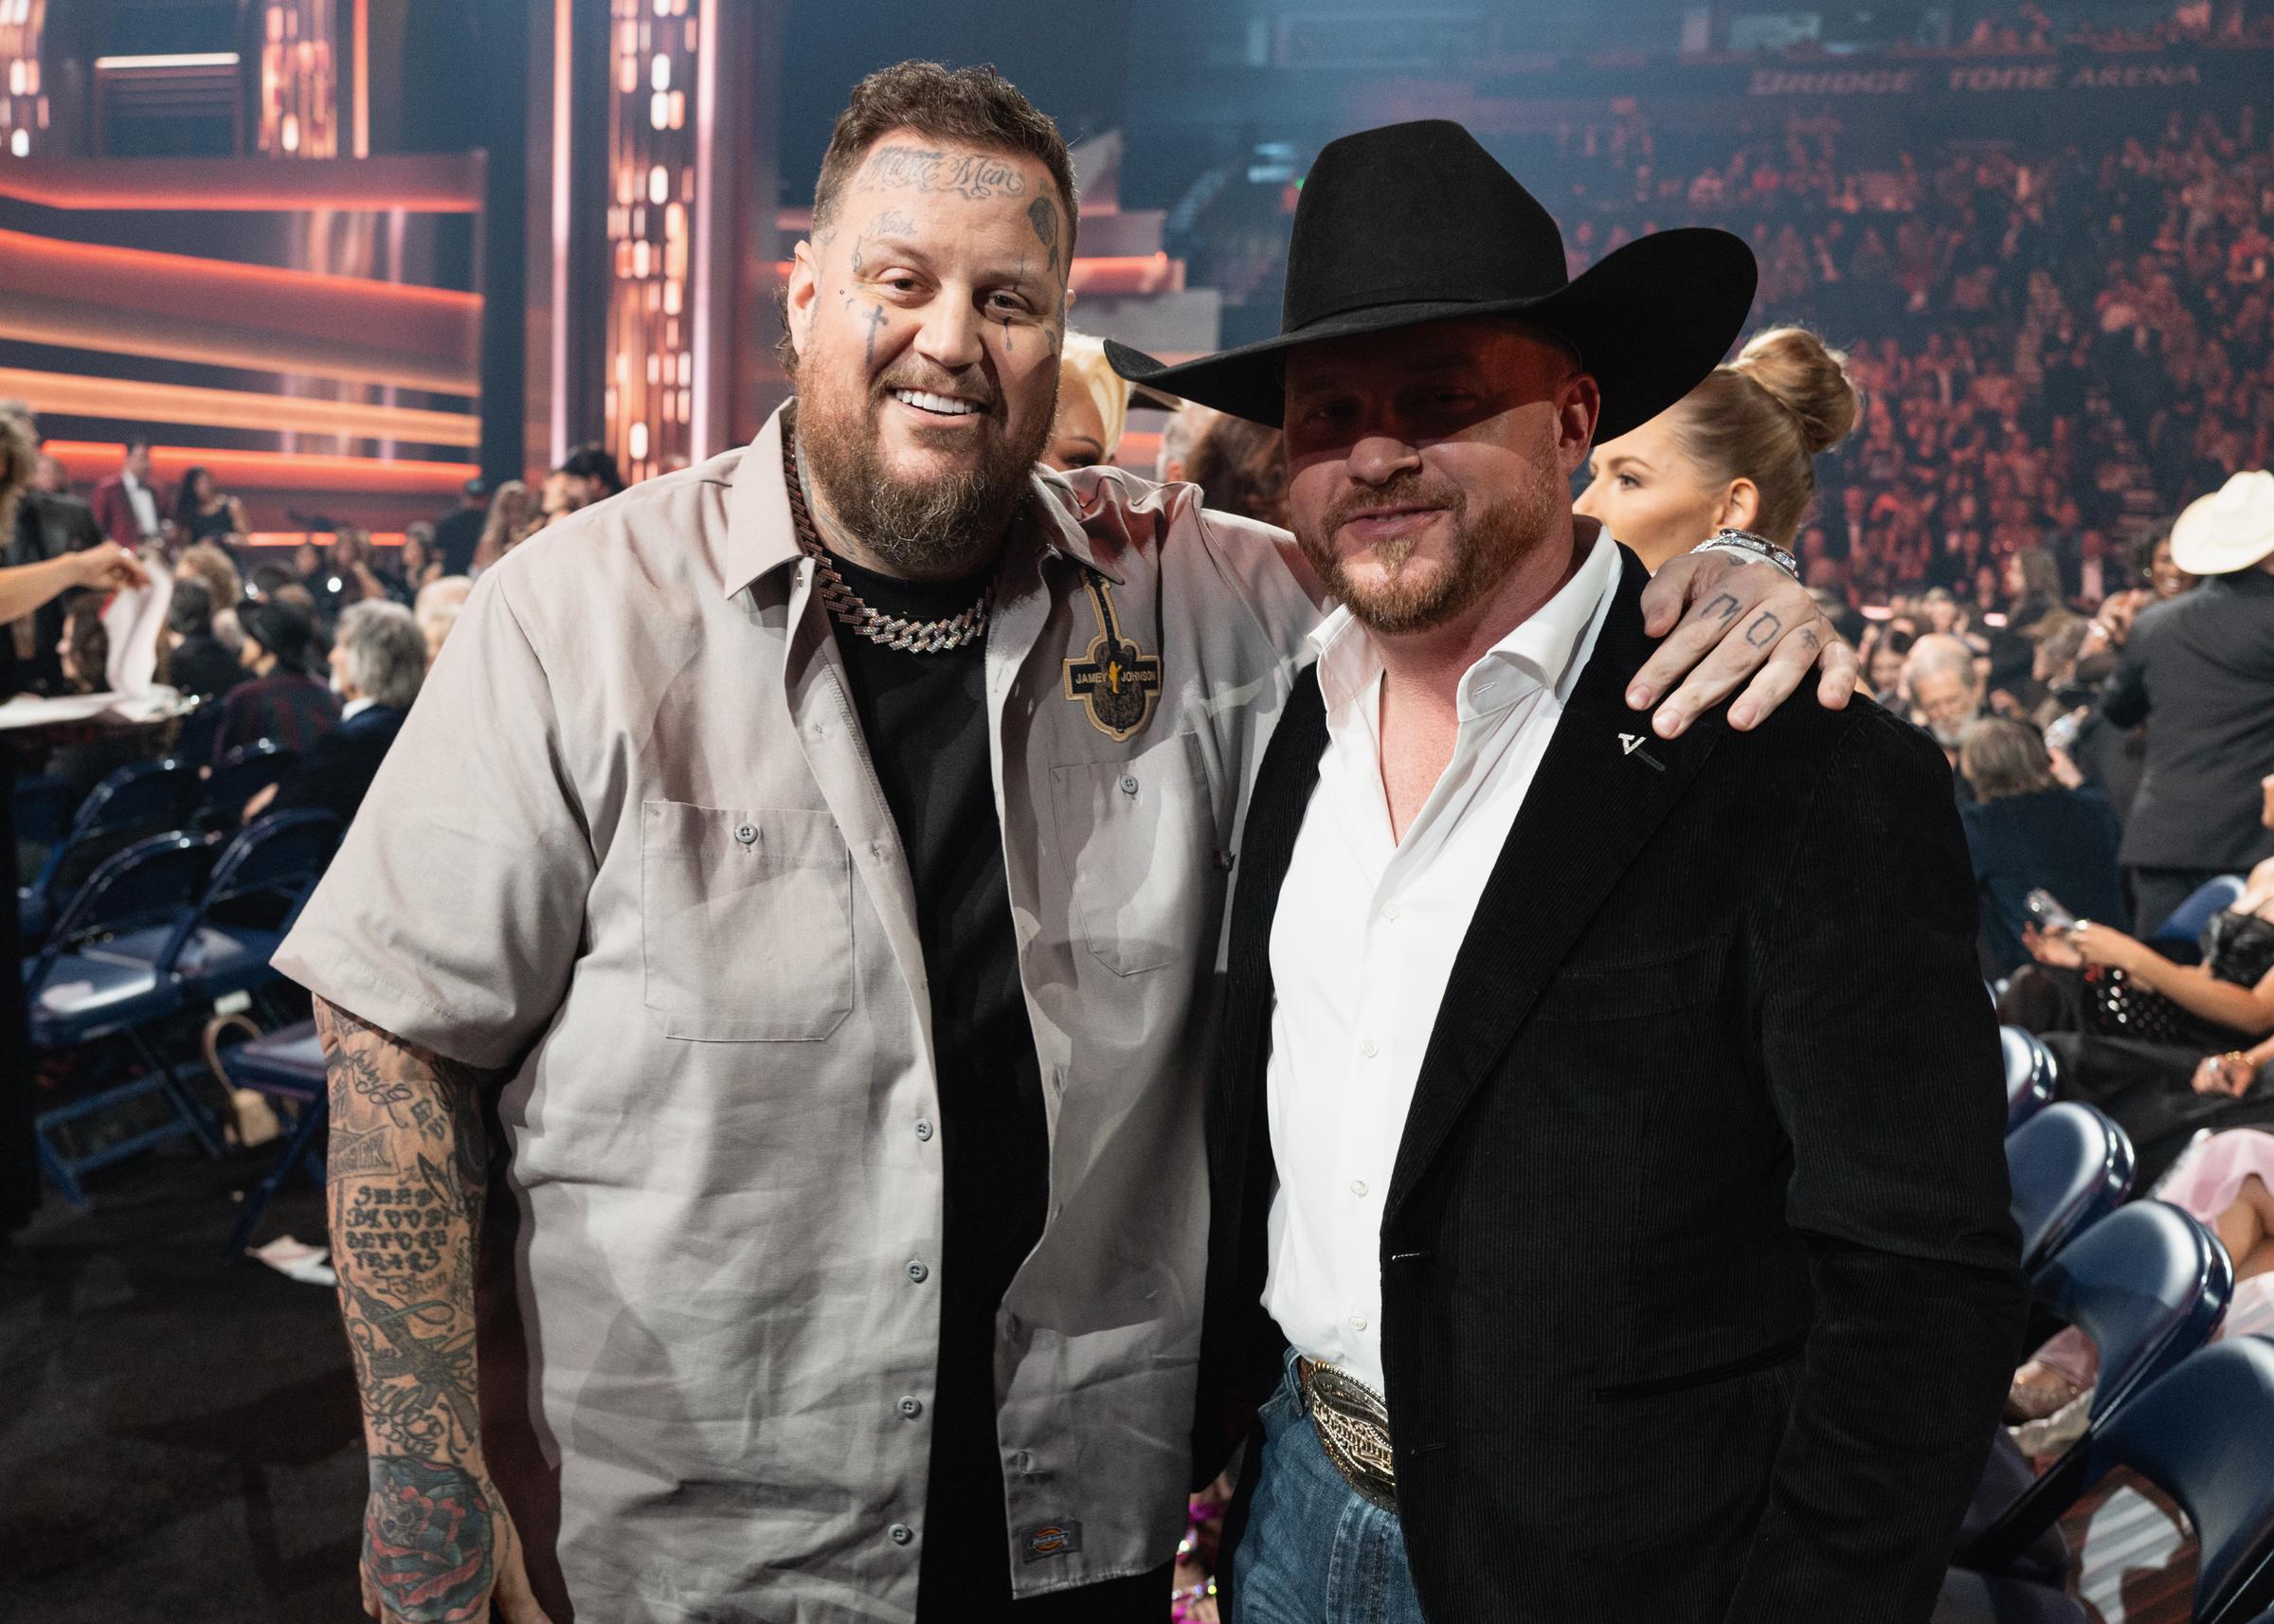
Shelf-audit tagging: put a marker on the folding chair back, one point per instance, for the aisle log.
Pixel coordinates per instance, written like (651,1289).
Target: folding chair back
(2070,1165)
(2030,1075)
(2204,1435)
(242,774)
(141,798)
(2149,1285)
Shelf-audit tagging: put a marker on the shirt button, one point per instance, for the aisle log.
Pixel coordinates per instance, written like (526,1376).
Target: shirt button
(1358,1321)
(1358,1187)
(912,1407)
(1021,1461)
(1367,1049)
(924,1130)
(900,1533)
(819,729)
(1129,784)
(747,834)
(917,1273)
(876,851)
(1389,910)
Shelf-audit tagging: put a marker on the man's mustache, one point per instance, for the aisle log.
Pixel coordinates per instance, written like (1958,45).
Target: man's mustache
(1406,491)
(975,388)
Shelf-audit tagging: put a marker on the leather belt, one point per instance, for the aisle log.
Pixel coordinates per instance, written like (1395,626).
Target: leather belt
(1352,1422)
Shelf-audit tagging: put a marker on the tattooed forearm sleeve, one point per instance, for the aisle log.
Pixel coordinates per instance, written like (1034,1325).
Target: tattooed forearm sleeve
(406,1188)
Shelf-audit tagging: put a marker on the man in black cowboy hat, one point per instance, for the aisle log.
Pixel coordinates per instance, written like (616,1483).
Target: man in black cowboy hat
(1608,1209)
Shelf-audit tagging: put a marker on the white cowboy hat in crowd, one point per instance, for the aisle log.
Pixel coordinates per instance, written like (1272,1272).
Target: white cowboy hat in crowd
(2230,530)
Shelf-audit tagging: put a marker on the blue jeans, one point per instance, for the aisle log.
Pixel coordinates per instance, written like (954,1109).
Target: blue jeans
(1314,1551)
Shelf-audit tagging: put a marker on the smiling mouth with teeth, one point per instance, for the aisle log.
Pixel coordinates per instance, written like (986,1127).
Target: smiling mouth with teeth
(939,406)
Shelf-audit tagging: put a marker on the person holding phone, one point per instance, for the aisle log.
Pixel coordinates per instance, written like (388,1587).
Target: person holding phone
(2166,1049)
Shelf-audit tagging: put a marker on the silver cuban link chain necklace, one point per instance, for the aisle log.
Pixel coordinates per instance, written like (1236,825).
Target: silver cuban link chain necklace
(849,609)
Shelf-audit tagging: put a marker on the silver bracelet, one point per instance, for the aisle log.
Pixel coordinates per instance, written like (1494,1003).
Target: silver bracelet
(1744,544)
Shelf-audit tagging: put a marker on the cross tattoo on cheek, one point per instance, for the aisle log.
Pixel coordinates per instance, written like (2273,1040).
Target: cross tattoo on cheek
(876,320)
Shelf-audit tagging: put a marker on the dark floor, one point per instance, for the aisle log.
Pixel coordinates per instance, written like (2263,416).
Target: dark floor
(178,1436)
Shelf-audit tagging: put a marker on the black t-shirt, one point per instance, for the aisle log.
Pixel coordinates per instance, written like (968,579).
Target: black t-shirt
(925,719)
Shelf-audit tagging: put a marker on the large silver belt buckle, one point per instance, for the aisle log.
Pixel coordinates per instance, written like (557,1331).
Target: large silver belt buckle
(1353,1425)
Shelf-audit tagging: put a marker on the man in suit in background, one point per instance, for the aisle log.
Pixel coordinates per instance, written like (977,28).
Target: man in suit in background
(50,521)
(129,505)
(1607,1180)
(459,532)
(2199,669)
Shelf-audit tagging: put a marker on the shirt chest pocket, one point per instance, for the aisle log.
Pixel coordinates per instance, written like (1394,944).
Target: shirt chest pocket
(746,923)
(1137,839)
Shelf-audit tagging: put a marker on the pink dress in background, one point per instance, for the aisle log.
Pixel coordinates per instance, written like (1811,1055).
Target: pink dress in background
(2204,1183)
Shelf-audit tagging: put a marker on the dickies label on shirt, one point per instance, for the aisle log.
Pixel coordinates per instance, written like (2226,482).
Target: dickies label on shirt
(1058,1539)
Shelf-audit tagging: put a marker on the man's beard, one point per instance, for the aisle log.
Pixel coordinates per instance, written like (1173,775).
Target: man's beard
(935,527)
(1488,542)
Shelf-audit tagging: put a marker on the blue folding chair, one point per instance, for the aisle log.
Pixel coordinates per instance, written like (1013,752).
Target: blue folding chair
(2032,1076)
(145,797)
(259,882)
(2204,1435)
(2149,1285)
(2069,1166)
(286,1065)
(74,998)
(2186,923)
(239,776)
(43,808)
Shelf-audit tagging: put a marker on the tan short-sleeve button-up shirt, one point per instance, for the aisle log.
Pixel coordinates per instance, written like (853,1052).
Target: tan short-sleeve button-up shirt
(630,843)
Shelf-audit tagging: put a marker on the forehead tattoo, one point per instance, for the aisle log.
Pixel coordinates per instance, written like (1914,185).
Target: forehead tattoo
(968,175)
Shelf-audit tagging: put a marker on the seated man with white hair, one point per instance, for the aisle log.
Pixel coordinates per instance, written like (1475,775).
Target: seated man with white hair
(378,661)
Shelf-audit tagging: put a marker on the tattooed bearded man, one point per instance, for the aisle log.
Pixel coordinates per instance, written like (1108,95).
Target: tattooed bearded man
(780,951)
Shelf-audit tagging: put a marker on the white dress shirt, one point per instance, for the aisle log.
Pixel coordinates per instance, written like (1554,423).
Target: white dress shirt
(1365,936)
(145,503)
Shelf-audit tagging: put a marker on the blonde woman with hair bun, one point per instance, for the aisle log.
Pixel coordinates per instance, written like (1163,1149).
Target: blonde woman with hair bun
(1739,451)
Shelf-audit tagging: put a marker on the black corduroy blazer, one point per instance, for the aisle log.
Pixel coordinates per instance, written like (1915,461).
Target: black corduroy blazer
(1700,1295)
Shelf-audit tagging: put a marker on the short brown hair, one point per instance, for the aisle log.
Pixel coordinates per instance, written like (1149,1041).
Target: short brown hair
(974,106)
(2001,758)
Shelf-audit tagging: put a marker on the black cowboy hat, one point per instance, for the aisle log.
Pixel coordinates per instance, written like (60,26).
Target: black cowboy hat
(1416,223)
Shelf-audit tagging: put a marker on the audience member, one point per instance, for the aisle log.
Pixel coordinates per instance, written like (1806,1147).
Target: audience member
(378,660)
(84,654)
(2199,669)
(1884,652)
(1738,452)
(437,608)
(50,522)
(2026,833)
(512,515)
(1180,437)
(283,701)
(1093,405)
(127,504)
(562,493)
(1946,693)
(415,564)
(591,473)
(1241,469)
(455,532)
(197,662)
(2163,1048)
(202,513)
(217,571)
